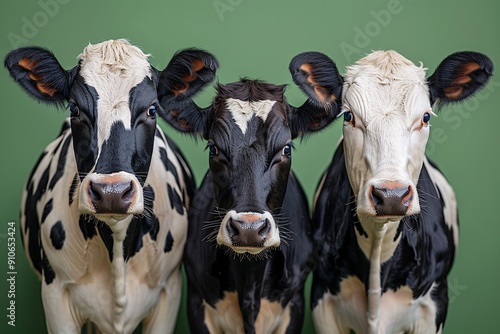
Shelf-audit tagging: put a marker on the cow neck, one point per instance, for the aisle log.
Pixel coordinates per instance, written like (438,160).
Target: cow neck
(249,279)
(378,244)
(119,230)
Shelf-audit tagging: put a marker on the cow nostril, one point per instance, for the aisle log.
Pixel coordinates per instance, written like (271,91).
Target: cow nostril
(112,197)
(377,196)
(264,230)
(407,197)
(128,192)
(231,228)
(391,201)
(95,191)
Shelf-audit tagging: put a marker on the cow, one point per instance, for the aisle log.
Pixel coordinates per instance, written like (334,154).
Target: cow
(104,211)
(247,254)
(385,218)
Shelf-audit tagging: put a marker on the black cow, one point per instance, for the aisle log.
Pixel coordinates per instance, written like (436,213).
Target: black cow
(249,238)
(104,212)
(385,219)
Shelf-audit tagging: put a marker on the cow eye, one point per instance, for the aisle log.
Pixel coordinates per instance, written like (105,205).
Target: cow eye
(73,109)
(426,117)
(152,110)
(213,150)
(348,116)
(287,150)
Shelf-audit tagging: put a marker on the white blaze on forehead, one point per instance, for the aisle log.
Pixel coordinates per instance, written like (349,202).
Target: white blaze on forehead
(113,68)
(243,111)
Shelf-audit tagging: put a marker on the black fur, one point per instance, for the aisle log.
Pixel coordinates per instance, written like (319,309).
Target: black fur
(323,86)
(57,235)
(453,69)
(45,69)
(248,173)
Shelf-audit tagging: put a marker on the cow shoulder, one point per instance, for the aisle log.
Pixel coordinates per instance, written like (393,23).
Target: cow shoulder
(447,196)
(206,264)
(428,239)
(295,227)
(52,234)
(156,238)
(335,226)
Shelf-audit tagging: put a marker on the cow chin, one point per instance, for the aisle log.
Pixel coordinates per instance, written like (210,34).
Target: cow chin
(111,198)
(248,232)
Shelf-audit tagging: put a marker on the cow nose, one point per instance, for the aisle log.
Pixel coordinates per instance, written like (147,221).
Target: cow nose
(248,233)
(111,197)
(391,201)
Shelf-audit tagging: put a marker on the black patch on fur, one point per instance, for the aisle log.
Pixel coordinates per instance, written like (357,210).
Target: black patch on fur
(72,189)
(169,243)
(189,181)
(32,227)
(107,237)
(61,163)
(57,235)
(155,227)
(48,273)
(133,242)
(47,209)
(175,200)
(88,228)
(360,229)
(168,164)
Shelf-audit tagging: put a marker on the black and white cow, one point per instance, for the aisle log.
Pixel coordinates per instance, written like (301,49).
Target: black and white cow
(104,212)
(385,217)
(249,239)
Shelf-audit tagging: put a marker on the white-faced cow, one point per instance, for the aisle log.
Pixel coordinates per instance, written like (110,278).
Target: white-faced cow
(385,217)
(104,212)
(249,238)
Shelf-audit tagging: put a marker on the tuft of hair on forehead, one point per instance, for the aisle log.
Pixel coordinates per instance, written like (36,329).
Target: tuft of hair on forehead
(251,90)
(114,56)
(386,66)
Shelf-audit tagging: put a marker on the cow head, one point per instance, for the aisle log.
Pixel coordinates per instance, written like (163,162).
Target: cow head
(387,109)
(250,128)
(113,97)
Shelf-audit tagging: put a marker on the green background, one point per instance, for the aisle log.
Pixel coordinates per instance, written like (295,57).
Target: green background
(257,39)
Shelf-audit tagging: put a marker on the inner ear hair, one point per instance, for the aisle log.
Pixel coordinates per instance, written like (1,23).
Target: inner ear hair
(459,76)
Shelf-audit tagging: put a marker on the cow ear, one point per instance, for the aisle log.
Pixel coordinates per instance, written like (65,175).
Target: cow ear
(187,73)
(39,73)
(459,76)
(317,76)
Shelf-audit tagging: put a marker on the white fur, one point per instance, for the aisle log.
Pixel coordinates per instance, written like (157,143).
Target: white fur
(113,68)
(399,312)
(243,111)
(226,317)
